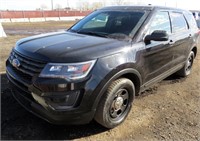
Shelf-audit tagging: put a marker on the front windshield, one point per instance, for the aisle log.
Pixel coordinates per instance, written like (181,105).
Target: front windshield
(109,23)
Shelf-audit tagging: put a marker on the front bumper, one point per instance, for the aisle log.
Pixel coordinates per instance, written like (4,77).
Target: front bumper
(57,107)
(54,117)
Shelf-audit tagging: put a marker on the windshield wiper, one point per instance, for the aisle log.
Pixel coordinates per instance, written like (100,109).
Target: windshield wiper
(93,33)
(72,30)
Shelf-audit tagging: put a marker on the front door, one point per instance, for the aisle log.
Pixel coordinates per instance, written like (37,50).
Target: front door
(158,54)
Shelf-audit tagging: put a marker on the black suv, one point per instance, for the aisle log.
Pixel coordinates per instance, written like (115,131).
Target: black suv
(95,69)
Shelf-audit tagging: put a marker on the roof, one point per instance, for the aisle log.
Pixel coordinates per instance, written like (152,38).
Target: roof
(149,7)
(127,8)
(195,10)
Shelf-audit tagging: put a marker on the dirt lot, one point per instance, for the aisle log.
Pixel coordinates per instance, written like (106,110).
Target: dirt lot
(170,110)
(35,27)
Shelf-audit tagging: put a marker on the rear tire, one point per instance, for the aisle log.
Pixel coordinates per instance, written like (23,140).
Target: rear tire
(186,70)
(116,103)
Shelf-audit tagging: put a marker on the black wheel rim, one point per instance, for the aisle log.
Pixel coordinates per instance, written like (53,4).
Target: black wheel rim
(119,104)
(189,64)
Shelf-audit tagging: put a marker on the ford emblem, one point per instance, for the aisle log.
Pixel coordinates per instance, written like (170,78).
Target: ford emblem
(15,63)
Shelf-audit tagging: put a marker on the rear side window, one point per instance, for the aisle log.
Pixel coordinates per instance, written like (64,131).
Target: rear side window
(179,23)
(191,21)
(161,21)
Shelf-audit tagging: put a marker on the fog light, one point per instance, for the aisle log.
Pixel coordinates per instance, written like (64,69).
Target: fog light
(62,86)
(60,99)
(39,99)
(63,101)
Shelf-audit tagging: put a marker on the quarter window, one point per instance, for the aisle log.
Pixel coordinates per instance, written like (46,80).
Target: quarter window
(178,22)
(191,21)
(161,21)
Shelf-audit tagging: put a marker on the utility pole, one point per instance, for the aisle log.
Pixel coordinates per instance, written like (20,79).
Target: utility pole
(67,3)
(51,4)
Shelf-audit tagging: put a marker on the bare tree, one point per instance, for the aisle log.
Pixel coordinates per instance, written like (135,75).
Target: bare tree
(43,6)
(103,2)
(118,2)
(58,6)
(85,6)
(97,5)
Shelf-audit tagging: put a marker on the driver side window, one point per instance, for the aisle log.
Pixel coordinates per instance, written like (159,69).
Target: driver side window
(160,21)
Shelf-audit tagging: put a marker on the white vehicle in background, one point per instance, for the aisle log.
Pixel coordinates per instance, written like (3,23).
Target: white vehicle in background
(198,23)
(2,33)
(196,14)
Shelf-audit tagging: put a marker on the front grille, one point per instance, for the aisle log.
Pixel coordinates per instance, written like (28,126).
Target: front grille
(19,85)
(21,74)
(28,68)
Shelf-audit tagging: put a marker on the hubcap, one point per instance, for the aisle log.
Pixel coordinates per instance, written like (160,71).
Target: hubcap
(189,63)
(119,104)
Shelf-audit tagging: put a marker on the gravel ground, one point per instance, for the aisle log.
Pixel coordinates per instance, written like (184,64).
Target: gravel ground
(170,110)
(34,28)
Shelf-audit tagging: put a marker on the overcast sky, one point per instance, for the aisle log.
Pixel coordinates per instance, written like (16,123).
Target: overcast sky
(33,4)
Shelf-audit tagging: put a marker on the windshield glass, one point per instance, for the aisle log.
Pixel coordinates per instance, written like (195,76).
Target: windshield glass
(120,24)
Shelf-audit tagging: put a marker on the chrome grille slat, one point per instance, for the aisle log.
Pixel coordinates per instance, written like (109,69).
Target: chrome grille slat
(28,67)
(26,71)
(28,61)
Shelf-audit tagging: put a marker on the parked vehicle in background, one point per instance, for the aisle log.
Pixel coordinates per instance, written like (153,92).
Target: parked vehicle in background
(196,14)
(198,23)
(95,69)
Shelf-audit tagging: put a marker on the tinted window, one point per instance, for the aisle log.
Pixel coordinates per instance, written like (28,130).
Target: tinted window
(191,21)
(161,21)
(198,23)
(178,22)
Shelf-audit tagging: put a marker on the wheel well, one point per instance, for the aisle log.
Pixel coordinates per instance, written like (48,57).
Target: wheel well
(136,81)
(195,51)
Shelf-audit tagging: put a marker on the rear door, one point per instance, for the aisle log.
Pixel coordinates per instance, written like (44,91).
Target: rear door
(181,37)
(158,54)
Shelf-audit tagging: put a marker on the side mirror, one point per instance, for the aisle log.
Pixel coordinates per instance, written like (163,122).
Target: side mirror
(157,35)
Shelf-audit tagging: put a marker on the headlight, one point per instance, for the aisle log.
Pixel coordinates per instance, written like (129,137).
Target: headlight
(71,71)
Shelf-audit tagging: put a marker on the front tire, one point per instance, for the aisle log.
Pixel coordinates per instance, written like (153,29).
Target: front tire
(115,103)
(186,70)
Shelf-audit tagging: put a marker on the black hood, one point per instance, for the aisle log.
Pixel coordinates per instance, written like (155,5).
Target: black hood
(68,47)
